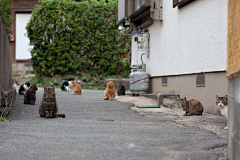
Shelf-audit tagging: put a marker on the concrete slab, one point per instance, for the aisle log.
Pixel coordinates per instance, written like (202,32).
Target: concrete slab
(210,122)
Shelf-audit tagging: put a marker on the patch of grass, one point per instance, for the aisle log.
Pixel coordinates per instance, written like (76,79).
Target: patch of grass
(5,115)
(42,81)
(60,84)
(16,75)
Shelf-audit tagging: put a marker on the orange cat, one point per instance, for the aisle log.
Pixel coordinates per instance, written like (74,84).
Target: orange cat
(110,91)
(77,90)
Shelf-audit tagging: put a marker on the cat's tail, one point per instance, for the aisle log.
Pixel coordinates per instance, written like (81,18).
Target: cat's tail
(61,115)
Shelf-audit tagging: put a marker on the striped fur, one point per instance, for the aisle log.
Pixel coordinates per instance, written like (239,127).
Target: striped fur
(48,107)
(192,107)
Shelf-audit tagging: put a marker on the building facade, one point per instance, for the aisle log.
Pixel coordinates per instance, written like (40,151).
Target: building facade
(21,57)
(187,46)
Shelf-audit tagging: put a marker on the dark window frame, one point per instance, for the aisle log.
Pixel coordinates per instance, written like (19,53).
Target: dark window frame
(181,3)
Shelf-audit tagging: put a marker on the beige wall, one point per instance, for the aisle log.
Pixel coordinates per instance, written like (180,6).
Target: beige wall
(215,84)
(21,68)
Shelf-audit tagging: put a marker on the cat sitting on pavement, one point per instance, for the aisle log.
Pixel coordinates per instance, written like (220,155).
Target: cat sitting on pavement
(15,84)
(191,107)
(109,92)
(77,89)
(66,85)
(222,104)
(23,88)
(121,89)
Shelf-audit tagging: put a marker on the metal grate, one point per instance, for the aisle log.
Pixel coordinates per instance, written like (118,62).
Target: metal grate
(164,81)
(200,80)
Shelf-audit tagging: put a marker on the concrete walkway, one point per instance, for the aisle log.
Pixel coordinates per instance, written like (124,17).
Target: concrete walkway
(98,129)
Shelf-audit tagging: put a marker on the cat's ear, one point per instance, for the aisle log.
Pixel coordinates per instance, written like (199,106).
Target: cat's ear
(226,97)
(217,97)
(185,98)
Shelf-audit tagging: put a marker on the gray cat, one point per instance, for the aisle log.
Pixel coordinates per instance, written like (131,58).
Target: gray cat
(48,108)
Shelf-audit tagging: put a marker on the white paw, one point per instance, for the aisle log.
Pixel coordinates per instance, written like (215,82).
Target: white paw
(226,127)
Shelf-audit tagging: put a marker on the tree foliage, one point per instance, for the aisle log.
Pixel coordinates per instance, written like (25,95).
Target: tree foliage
(5,13)
(74,37)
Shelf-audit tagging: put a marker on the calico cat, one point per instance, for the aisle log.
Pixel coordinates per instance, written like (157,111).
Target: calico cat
(48,107)
(222,104)
(109,91)
(66,86)
(30,95)
(23,88)
(192,107)
(121,89)
(15,84)
(77,90)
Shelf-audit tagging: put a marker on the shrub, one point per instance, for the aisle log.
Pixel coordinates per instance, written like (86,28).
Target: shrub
(5,13)
(74,37)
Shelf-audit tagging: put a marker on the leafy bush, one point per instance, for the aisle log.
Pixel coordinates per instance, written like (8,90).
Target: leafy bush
(5,13)
(76,37)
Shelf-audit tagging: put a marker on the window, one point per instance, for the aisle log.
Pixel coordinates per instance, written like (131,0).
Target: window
(164,81)
(181,3)
(200,80)
(137,4)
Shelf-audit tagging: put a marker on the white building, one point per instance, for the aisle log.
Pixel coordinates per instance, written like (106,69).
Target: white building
(187,46)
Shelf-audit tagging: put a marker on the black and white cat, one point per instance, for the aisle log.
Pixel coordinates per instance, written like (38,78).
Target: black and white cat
(23,88)
(66,85)
(222,104)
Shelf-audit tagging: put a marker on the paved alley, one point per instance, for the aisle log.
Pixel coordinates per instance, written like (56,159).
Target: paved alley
(95,129)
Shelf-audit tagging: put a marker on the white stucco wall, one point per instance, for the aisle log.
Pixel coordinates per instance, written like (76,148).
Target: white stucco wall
(22,42)
(190,40)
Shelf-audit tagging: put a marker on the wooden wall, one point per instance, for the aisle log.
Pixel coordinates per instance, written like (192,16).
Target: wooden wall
(233,68)
(5,60)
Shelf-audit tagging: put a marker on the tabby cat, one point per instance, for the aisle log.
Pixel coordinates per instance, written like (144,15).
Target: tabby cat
(121,89)
(77,90)
(110,91)
(192,107)
(222,104)
(48,107)
(30,95)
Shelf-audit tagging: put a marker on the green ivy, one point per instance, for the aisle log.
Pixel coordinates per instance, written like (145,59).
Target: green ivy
(5,14)
(74,37)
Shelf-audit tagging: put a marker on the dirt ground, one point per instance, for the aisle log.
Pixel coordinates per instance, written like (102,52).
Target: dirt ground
(210,122)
